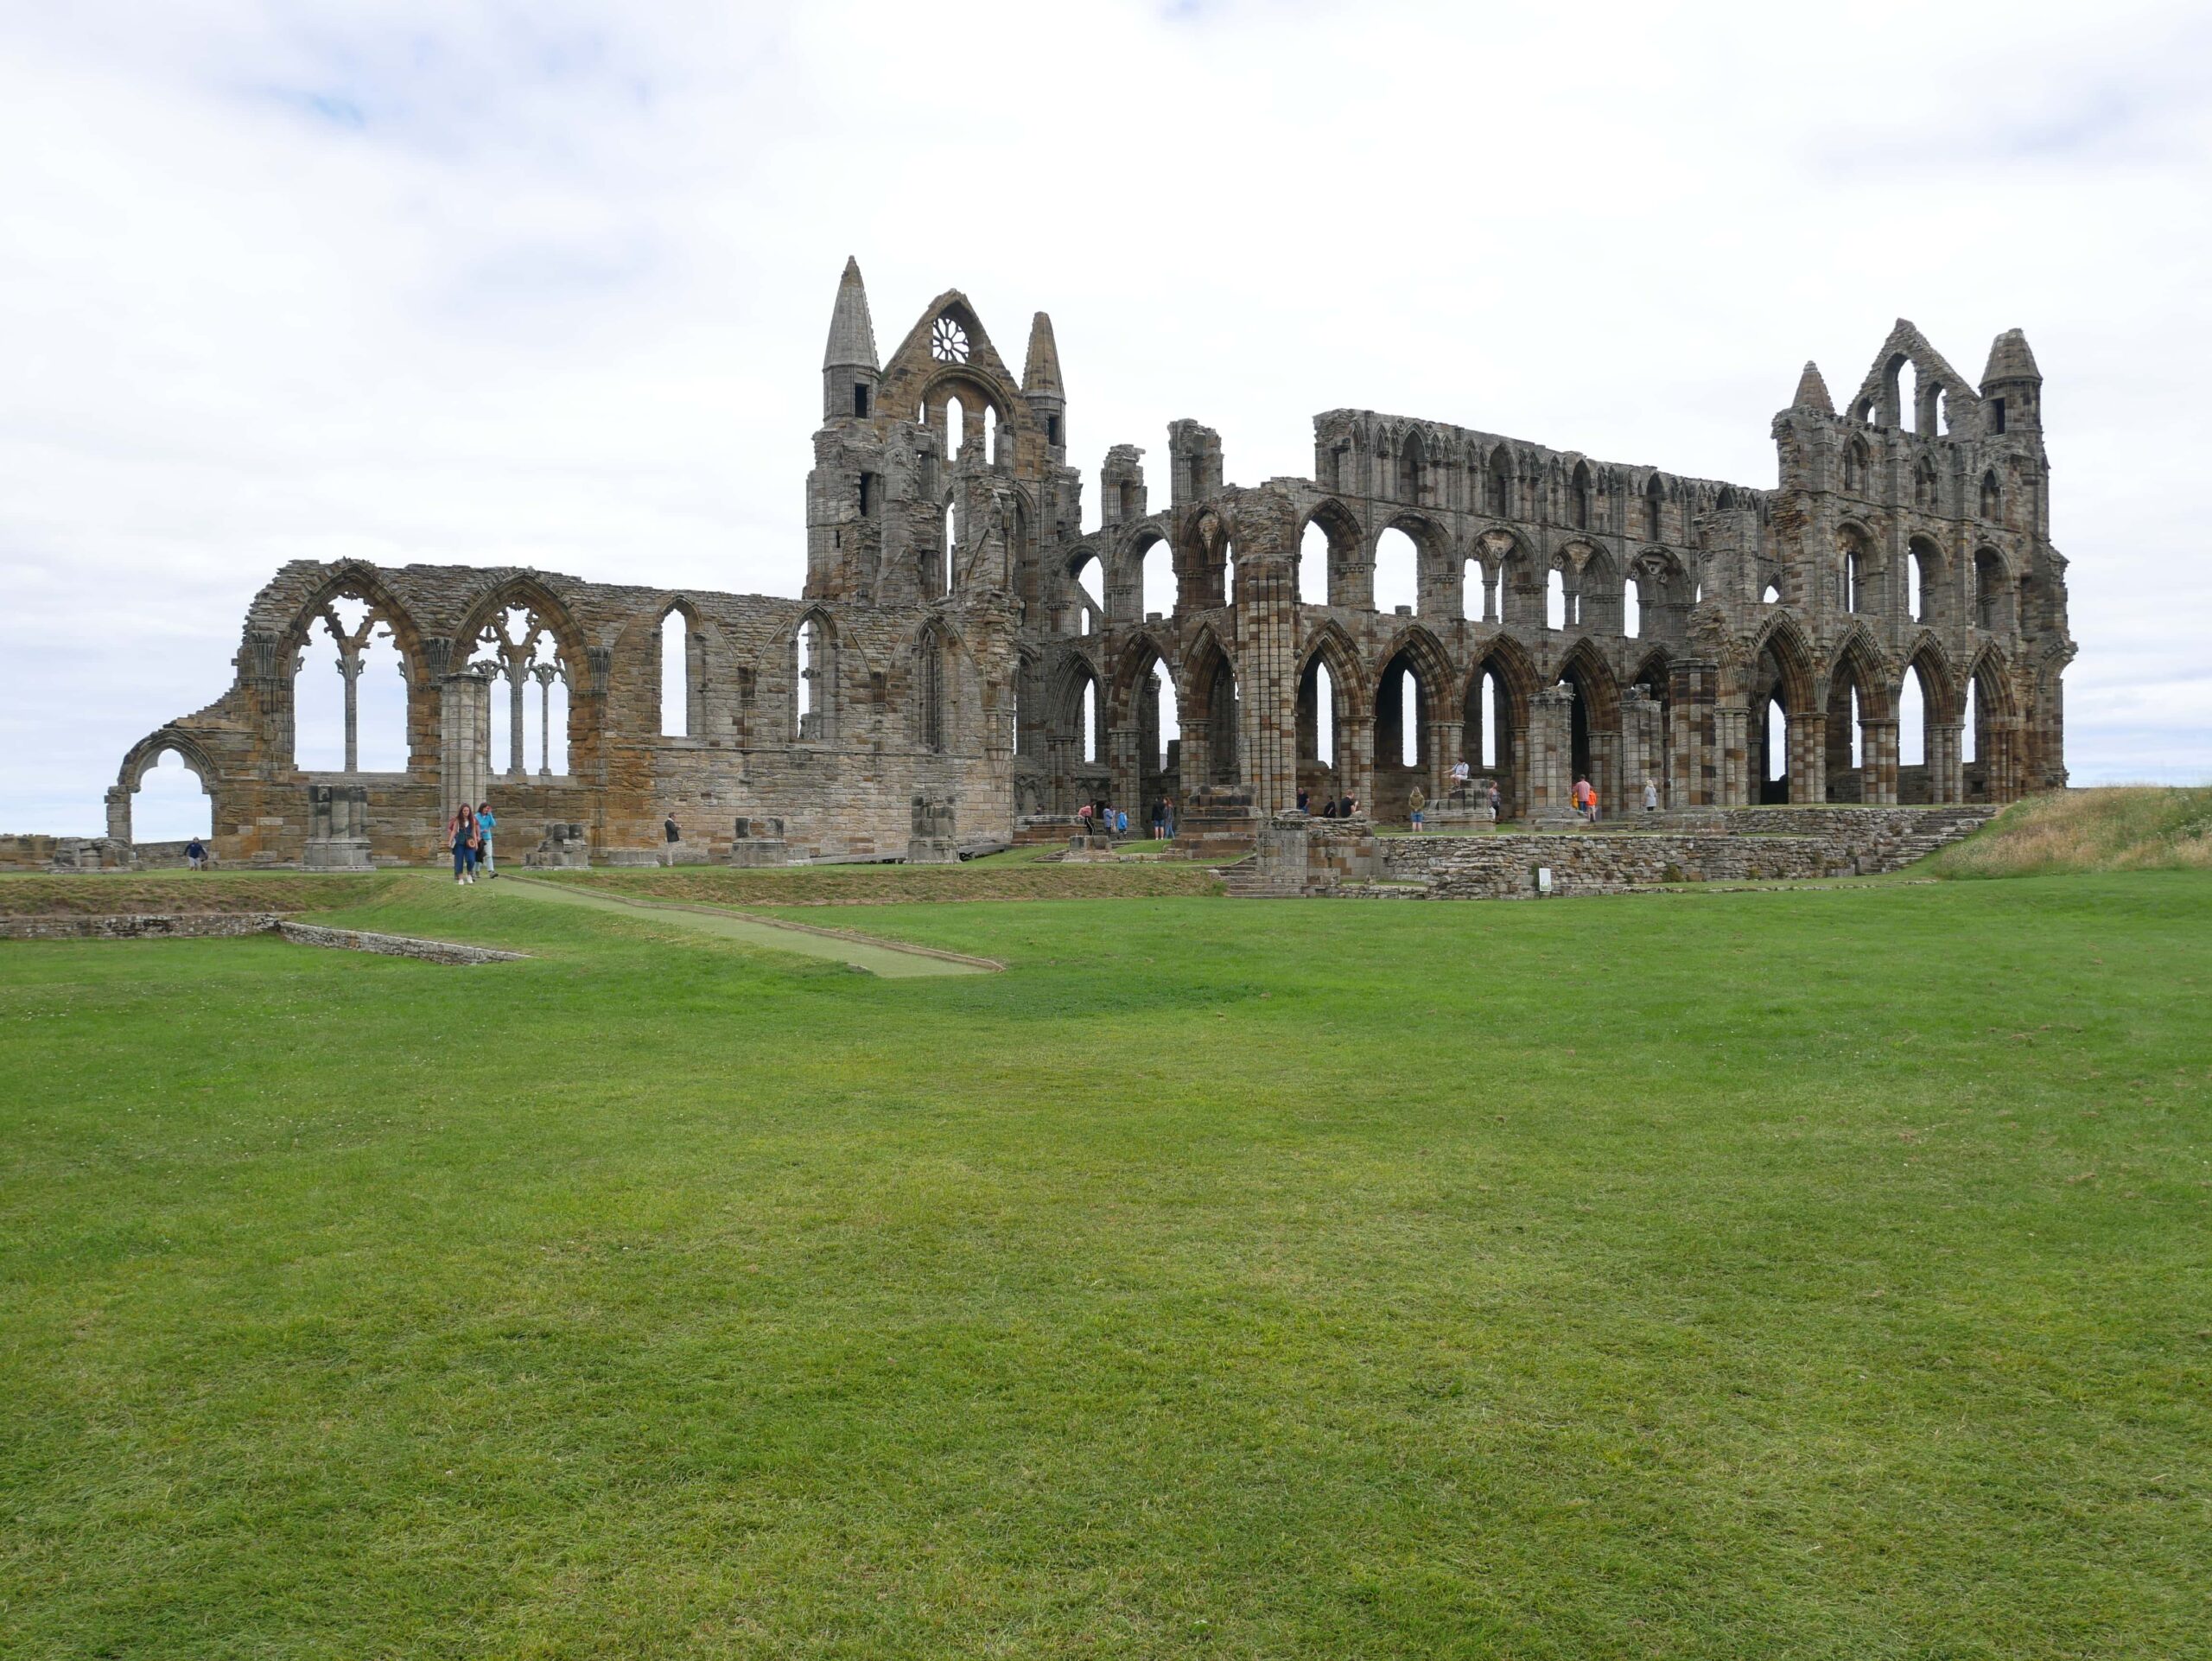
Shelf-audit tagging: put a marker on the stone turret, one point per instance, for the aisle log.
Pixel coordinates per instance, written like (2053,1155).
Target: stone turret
(1040,386)
(1812,392)
(2012,386)
(849,370)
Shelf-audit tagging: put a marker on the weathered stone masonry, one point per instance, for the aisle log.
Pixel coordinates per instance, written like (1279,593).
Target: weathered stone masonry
(945,660)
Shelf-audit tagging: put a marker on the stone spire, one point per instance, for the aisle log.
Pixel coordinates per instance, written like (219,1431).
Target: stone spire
(1040,385)
(2010,360)
(1812,391)
(852,334)
(1041,373)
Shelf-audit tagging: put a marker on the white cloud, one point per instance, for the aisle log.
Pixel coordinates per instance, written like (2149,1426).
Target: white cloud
(547,284)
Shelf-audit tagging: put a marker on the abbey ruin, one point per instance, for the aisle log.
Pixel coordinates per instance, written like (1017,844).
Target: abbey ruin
(969,655)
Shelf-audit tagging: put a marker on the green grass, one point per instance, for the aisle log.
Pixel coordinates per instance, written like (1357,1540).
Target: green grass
(2140,827)
(1790,1274)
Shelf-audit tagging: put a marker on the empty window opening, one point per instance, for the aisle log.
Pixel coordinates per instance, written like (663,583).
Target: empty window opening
(171,804)
(1852,579)
(1166,722)
(1052,430)
(1313,565)
(1654,502)
(1499,495)
(1771,595)
(1493,698)
(1912,721)
(955,528)
(1554,599)
(1091,721)
(1970,730)
(990,433)
(1578,496)
(1409,469)
(1474,592)
(860,398)
(1916,570)
(956,426)
(1996,415)
(1397,571)
(349,703)
(1856,719)
(1156,566)
(807,697)
(1090,605)
(1778,743)
(675,676)
(867,495)
(1632,608)
(1408,720)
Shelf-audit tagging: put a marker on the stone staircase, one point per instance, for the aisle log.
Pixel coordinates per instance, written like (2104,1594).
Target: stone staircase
(1249,879)
(1929,829)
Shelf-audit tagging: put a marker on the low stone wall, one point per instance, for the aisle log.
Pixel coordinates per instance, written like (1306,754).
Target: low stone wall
(220,925)
(1504,867)
(184,925)
(394,945)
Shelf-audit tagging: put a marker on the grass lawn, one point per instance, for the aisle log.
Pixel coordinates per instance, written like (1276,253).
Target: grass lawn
(1799,1275)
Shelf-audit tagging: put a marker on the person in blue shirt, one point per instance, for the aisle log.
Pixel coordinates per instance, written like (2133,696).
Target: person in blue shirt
(485,823)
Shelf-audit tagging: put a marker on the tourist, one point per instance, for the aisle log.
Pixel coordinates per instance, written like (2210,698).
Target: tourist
(1348,806)
(485,823)
(1121,822)
(195,855)
(461,835)
(1329,808)
(1650,797)
(1160,820)
(1302,798)
(1414,803)
(1496,800)
(1167,818)
(1585,801)
(1461,774)
(669,832)
(1083,818)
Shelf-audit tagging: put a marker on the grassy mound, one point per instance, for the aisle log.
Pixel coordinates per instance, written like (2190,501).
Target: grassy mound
(997,878)
(196,891)
(2066,832)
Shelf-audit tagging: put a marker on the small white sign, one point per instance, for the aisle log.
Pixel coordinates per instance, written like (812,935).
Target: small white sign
(1543,879)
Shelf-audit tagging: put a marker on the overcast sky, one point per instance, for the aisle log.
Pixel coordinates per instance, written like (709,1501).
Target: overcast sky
(547,283)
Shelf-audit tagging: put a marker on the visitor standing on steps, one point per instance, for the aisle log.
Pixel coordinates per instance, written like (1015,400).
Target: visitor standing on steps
(1414,803)
(485,823)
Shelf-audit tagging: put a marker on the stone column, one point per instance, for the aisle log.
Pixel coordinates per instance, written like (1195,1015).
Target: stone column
(1268,641)
(542,674)
(1443,750)
(1877,763)
(349,670)
(1732,739)
(1809,758)
(1946,783)
(518,759)
(464,717)
(1643,748)
(1551,753)
(1124,766)
(1694,775)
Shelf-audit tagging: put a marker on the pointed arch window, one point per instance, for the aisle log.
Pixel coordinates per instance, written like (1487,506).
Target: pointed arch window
(1654,498)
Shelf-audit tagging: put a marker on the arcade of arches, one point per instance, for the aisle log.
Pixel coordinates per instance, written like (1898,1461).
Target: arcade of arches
(1886,623)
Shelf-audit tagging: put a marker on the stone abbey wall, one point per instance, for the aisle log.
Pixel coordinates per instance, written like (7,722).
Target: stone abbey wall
(966,652)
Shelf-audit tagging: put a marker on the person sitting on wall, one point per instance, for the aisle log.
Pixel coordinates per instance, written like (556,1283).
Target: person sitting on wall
(1329,808)
(1348,807)
(1302,798)
(195,855)
(1461,774)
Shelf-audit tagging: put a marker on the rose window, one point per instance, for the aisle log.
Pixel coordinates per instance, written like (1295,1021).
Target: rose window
(948,342)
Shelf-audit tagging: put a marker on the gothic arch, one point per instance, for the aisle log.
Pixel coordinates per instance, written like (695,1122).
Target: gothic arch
(1432,667)
(523,592)
(1859,657)
(361,580)
(1785,640)
(1336,649)
(140,758)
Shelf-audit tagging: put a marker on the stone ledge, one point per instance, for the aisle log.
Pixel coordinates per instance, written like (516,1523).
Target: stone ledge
(232,926)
